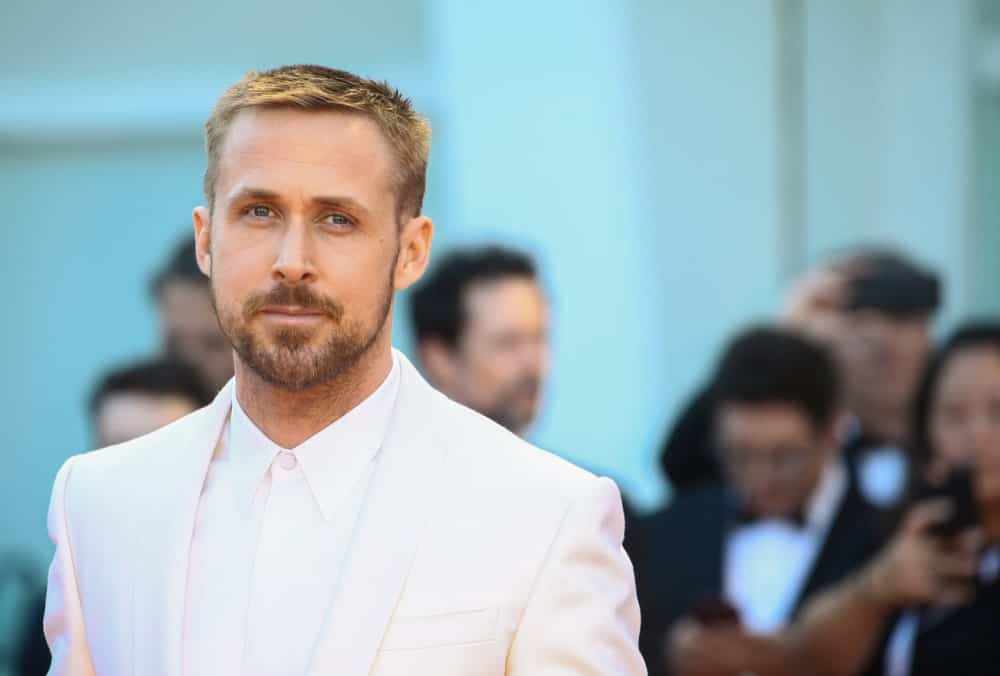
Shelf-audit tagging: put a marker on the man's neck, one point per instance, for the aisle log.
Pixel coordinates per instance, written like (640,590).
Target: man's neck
(289,418)
(887,428)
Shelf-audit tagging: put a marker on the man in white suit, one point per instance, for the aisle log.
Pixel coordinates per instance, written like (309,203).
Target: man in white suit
(329,512)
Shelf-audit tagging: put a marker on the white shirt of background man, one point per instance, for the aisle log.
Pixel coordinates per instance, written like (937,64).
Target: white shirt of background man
(766,564)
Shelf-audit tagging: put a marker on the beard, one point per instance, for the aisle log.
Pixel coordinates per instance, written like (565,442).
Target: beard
(509,409)
(290,360)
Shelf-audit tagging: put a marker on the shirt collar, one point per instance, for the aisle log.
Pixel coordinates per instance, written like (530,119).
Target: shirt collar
(822,506)
(819,509)
(332,460)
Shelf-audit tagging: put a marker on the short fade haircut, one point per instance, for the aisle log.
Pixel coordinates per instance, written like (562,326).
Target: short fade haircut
(181,266)
(437,305)
(317,88)
(160,377)
(769,365)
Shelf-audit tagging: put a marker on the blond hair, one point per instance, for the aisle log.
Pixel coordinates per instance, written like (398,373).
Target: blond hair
(314,88)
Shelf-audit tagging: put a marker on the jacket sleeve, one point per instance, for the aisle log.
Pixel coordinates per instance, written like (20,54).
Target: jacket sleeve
(583,617)
(63,622)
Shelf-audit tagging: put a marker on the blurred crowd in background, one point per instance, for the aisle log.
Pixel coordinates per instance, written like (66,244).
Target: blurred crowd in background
(835,502)
(744,258)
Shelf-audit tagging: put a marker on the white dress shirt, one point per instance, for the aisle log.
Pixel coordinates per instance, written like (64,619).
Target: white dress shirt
(882,471)
(272,530)
(766,564)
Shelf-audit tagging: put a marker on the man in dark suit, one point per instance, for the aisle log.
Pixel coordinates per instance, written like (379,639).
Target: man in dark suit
(874,309)
(733,560)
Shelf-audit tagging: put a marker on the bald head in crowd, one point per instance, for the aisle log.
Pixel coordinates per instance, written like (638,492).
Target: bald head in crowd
(481,322)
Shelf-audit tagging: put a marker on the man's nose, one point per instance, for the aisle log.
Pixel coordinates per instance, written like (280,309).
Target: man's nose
(293,264)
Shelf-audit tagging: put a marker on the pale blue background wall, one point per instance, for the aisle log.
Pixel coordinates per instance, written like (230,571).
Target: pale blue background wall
(649,152)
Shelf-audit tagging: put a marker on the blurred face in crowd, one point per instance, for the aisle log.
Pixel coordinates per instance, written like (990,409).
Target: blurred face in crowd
(124,416)
(190,331)
(501,358)
(964,423)
(883,358)
(773,455)
(304,244)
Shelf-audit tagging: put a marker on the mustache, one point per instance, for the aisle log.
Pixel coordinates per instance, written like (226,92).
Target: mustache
(301,296)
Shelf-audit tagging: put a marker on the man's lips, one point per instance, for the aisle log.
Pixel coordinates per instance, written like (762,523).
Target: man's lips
(290,310)
(291,314)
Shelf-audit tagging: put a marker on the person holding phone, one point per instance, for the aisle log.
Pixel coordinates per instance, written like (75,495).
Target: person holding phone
(929,603)
(728,563)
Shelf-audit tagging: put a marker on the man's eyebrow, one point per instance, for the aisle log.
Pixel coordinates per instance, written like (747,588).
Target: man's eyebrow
(323,200)
(254,193)
(338,201)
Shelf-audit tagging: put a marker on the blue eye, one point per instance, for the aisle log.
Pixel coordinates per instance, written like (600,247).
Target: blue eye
(339,220)
(261,211)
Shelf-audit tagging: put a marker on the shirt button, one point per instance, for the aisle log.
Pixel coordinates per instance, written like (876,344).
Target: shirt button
(287,461)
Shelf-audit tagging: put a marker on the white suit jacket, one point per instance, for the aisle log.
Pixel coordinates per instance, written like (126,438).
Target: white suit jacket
(474,553)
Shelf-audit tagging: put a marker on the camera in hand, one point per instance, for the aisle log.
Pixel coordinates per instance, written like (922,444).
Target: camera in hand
(900,293)
(957,487)
(714,611)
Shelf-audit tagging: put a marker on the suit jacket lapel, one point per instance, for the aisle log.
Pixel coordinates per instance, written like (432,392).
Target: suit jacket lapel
(164,540)
(692,549)
(847,545)
(709,546)
(386,536)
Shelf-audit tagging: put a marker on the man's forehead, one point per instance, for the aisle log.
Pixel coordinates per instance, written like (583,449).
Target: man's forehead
(136,402)
(305,130)
(776,416)
(498,301)
(262,143)
(511,287)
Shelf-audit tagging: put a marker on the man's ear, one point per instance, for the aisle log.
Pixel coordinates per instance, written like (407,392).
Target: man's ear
(414,251)
(437,360)
(203,239)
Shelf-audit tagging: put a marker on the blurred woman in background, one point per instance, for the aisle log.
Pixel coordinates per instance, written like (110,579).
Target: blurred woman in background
(930,602)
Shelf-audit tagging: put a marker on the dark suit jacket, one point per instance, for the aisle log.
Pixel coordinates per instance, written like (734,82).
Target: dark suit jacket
(682,558)
(686,457)
(32,652)
(961,641)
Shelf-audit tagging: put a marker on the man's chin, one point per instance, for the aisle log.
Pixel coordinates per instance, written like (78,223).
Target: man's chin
(289,339)
(526,415)
(291,375)
(777,515)
(521,423)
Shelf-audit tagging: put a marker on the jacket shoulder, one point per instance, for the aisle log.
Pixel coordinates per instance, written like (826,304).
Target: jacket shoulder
(486,452)
(99,477)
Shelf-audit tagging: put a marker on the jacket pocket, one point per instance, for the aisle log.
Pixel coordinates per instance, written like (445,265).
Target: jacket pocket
(446,629)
